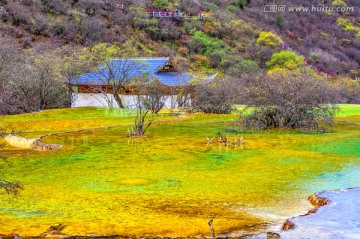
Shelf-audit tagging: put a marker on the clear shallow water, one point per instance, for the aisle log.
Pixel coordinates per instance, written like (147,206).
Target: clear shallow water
(338,220)
(171,183)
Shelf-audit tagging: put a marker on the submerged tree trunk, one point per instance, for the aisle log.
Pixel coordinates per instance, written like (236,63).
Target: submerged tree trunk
(212,231)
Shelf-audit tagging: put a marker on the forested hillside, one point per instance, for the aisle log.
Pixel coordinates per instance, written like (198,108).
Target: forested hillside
(327,38)
(236,38)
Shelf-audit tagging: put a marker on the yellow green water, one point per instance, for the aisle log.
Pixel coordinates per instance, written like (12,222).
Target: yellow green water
(170,182)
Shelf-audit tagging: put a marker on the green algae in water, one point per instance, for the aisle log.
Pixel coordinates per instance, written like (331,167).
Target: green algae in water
(346,147)
(348,110)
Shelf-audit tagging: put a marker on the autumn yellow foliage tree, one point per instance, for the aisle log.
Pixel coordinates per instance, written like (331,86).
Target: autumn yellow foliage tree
(340,3)
(284,60)
(269,39)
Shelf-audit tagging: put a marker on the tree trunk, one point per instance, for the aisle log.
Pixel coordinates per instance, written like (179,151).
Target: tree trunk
(118,100)
(212,232)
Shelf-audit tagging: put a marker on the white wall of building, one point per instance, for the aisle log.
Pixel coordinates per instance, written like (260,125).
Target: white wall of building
(107,100)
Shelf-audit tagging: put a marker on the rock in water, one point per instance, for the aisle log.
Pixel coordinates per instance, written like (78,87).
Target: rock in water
(37,145)
(318,201)
(272,235)
(288,225)
(19,142)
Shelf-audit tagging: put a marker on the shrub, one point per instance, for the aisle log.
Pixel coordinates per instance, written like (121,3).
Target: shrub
(213,6)
(249,66)
(349,90)
(168,30)
(199,61)
(347,66)
(90,6)
(353,53)
(54,6)
(214,98)
(239,67)
(216,57)
(340,3)
(39,25)
(163,4)
(279,21)
(292,101)
(27,3)
(285,60)
(231,8)
(230,59)
(182,63)
(121,19)
(240,3)
(308,42)
(191,6)
(203,44)
(354,3)
(348,26)
(341,56)
(58,29)
(269,39)
(323,58)
(191,25)
(356,42)
(19,14)
(184,39)
(91,30)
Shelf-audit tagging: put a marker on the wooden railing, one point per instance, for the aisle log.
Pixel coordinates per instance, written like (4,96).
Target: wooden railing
(173,16)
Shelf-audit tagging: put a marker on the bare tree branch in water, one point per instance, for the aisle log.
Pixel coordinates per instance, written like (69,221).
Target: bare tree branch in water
(150,98)
(11,187)
(143,118)
(212,232)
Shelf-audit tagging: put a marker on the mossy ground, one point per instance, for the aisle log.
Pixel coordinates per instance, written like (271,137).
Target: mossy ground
(170,182)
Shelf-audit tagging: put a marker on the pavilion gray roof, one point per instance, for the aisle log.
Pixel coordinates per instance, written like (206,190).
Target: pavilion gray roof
(134,68)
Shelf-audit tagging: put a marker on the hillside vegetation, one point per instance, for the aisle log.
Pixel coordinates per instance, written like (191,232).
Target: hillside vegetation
(328,39)
(48,37)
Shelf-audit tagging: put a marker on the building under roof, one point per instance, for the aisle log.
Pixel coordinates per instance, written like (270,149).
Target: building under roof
(94,88)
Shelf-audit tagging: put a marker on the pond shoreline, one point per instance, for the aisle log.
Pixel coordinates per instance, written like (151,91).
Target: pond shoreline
(334,216)
(292,227)
(15,236)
